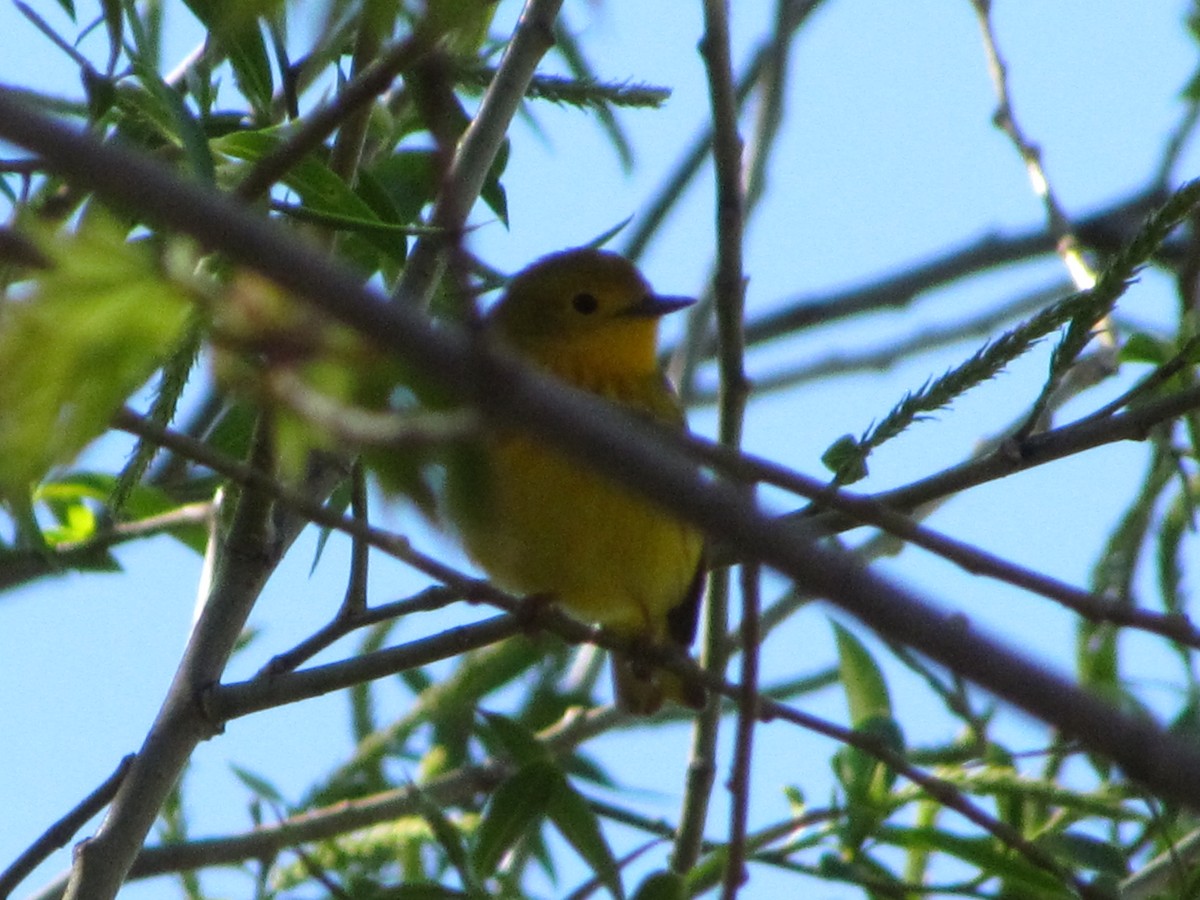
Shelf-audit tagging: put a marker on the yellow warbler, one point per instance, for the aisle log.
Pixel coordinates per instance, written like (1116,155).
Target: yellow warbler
(542,524)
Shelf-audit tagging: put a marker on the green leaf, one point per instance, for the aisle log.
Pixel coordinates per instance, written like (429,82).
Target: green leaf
(460,25)
(338,503)
(114,22)
(1083,851)
(76,520)
(416,892)
(844,458)
(234,25)
(322,191)
(1141,347)
(517,805)
(578,823)
(450,837)
(518,742)
(492,193)
(866,778)
(662,886)
(143,502)
(866,691)
(862,870)
(407,178)
(145,118)
(187,132)
(867,781)
(311,178)
(259,786)
(984,853)
(90,332)
(232,433)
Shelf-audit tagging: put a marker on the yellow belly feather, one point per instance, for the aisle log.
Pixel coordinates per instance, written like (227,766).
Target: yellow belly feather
(549,526)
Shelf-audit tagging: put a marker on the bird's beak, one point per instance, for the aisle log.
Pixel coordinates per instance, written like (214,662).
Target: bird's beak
(655,305)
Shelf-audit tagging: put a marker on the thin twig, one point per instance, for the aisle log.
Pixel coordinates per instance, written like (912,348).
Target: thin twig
(1039,449)
(747,720)
(1109,229)
(58,834)
(904,349)
(230,701)
(1059,225)
(532,37)
(377,20)
(432,598)
(691,161)
(20,566)
(943,791)
(728,298)
(863,510)
(456,787)
(729,305)
(355,602)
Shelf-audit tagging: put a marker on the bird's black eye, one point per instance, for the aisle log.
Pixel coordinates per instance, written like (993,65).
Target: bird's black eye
(585,303)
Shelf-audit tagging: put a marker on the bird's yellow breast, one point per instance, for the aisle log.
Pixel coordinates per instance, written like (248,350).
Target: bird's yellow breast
(545,524)
(558,529)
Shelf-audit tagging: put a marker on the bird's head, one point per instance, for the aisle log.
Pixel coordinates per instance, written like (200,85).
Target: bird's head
(583,308)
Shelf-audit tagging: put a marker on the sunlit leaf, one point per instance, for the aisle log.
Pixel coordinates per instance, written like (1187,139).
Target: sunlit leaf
(862,680)
(89,333)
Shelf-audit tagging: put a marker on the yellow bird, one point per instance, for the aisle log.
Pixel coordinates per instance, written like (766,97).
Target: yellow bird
(542,524)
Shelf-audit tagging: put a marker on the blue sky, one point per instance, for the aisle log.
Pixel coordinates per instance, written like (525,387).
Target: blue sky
(888,157)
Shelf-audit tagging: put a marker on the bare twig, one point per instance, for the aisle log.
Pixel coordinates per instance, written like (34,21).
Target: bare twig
(477,150)
(231,701)
(25,565)
(1067,244)
(885,356)
(747,720)
(436,597)
(1108,228)
(58,834)
(795,13)
(728,296)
